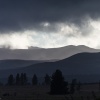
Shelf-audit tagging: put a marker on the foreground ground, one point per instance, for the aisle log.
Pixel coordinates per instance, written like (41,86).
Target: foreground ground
(41,93)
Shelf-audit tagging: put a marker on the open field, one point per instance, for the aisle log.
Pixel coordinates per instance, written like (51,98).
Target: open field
(41,93)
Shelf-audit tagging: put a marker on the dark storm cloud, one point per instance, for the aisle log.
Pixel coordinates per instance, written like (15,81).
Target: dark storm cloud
(17,15)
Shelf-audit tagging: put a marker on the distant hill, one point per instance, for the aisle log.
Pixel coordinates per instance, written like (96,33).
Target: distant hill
(81,65)
(12,64)
(34,53)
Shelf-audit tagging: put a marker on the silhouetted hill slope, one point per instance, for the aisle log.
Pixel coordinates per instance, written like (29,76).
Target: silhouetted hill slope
(82,63)
(12,64)
(44,54)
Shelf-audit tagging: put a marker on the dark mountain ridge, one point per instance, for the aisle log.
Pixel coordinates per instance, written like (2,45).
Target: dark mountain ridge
(79,64)
(16,63)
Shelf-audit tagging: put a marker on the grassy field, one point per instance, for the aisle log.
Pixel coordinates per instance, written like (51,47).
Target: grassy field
(41,93)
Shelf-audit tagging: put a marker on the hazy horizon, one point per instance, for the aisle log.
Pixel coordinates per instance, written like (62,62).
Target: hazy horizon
(36,47)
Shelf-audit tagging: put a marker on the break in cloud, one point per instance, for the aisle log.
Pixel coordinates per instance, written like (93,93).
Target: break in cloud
(49,23)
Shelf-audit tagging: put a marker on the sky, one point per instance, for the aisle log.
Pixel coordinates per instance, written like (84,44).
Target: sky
(49,23)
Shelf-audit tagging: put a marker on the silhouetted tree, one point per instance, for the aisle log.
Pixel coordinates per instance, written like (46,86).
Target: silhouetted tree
(17,79)
(72,86)
(25,79)
(34,80)
(11,80)
(47,79)
(58,85)
(22,79)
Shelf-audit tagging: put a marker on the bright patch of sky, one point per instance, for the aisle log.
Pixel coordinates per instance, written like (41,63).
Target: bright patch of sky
(66,34)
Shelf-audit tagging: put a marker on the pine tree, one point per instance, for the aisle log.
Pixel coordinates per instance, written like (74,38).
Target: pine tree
(34,80)
(17,79)
(58,85)
(22,79)
(25,79)
(10,80)
(47,79)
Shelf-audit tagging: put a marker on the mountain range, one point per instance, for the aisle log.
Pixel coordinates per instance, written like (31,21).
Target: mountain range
(44,54)
(78,62)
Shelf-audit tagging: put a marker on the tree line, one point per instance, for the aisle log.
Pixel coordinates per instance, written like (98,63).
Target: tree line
(57,83)
(22,79)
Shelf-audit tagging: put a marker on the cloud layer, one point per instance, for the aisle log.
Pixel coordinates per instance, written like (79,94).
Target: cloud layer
(28,14)
(64,34)
(49,23)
